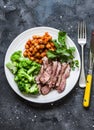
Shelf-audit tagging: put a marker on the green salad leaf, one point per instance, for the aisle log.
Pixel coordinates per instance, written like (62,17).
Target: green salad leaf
(62,38)
(62,52)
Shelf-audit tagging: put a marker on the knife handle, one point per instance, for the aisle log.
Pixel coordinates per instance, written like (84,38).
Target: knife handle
(86,100)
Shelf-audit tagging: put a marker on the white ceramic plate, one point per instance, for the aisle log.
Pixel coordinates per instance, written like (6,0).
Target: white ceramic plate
(18,44)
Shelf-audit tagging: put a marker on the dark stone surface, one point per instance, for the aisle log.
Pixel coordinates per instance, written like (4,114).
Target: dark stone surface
(66,114)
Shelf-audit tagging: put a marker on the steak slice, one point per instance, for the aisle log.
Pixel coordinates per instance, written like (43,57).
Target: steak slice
(66,74)
(63,67)
(62,85)
(46,74)
(67,71)
(54,69)
(45,90)
(49,69)
(56,74)
(44,78)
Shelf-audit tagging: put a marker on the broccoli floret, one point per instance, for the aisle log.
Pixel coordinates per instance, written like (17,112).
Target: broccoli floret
(22,73)
(31,89)
(21,86)
(16,78)
(16,56)
(35,64)
(12,67)
(32,69)
(28,88)
(24,63)
(28,62)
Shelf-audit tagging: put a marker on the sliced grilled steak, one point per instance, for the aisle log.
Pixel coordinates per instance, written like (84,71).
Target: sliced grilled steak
(62,84)
(54,69)
(49,69)
(56,74)
(53,74)
(67,71)
(44,78)
(45,90)
(46,74)
(63,67)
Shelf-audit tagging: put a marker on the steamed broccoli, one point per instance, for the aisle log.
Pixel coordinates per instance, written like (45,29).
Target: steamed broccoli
(32,90)
(28,88)
(12,67)
(32,69)
(16,56)
(24,63)
(24,71)
(21,86)
(21,73)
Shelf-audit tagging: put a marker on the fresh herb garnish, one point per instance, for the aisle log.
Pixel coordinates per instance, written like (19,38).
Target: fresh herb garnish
(62,52)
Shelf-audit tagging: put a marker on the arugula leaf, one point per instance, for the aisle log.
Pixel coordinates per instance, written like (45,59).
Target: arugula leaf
(56,43)
(74,63)
(62,52)
(62,38)
(51,54)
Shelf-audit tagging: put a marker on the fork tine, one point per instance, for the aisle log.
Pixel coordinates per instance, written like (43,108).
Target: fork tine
(80,27)
(85,30)
(78,30)
(82,30)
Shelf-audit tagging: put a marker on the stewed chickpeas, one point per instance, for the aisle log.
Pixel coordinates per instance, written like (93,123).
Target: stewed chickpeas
(37,47)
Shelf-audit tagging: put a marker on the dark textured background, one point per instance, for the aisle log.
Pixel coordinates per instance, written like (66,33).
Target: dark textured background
(67,114)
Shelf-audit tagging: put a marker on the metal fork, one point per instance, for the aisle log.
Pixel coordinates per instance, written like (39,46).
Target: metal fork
(82,42)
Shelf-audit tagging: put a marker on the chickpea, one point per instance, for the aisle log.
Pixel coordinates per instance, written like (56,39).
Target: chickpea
(38,47)
(36,44)
(43,54)
(40,41)
(29,54)
(52,44)
(26,46)
(42,46)
(37,54)
(48,45)
(35,49)
(31,58)
(31,49)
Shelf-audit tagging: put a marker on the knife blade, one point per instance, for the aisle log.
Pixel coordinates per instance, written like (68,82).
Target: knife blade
(87,93)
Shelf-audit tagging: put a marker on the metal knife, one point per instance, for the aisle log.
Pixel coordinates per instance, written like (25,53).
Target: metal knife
(87,93)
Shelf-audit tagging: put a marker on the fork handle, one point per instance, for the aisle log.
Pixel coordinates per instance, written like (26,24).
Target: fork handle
(82,80)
